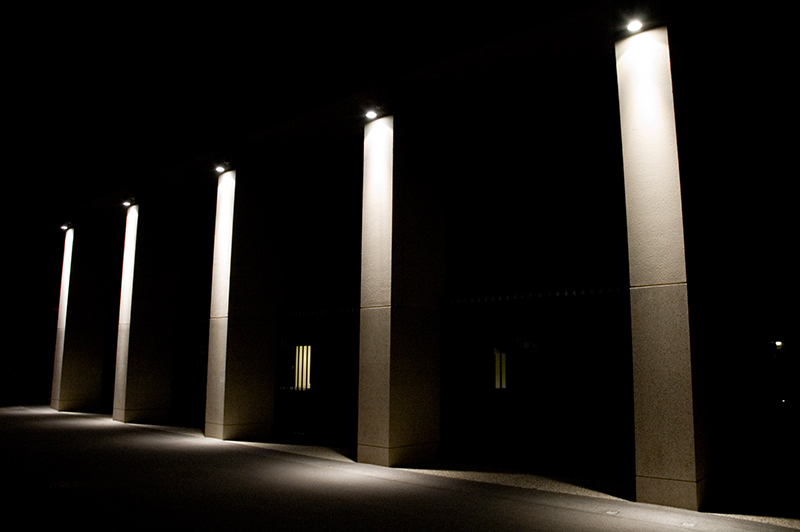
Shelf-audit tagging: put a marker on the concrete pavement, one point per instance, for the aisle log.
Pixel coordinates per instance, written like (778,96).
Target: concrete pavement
(82,469)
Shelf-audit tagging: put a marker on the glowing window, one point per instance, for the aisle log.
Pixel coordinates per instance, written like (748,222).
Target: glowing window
(302,367)
(499,370)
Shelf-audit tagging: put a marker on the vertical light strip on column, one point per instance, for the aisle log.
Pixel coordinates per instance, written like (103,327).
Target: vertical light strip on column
(220,289)
(61,326)
(124,326)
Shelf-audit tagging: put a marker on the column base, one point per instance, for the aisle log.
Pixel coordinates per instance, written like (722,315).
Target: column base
(73,405)
(670,492)
(243,431)
(154,416)
(398,456)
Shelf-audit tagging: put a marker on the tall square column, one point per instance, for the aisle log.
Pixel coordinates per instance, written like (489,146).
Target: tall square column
(126,407)
(146,337)
(398,405)
(669,467)
(242,329)
(56,400)
(85,336)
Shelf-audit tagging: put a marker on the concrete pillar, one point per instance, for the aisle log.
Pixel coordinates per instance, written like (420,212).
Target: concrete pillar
(669,468)
(61,327)
(218,324)
(242,329)
(83,369)
(122,407)
(143,374)
(398,404)
(85,353)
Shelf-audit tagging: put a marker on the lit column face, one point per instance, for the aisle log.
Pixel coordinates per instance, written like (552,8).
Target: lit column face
(125,302)
(376,230)
(128,261)
(220,290)
(223,238)
(62,317)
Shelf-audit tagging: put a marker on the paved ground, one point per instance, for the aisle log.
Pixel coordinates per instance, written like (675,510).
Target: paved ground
(63,469)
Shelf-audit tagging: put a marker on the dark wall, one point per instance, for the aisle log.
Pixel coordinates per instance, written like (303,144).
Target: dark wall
(296,270)
(34,267)
(522,162)
(738,221)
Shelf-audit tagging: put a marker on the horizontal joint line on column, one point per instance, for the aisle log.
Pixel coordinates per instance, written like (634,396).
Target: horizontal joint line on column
(218,317)
(671,479)
(657,285)
(376,306)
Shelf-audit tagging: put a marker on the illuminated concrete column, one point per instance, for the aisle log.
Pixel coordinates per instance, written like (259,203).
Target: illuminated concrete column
(122,405)
(89,290)
(398,405)
(669,466)
(242,346)
(55,396)
(220,290)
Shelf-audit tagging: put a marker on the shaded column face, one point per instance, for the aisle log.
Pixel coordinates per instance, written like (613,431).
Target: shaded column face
(667,468)
(62,319)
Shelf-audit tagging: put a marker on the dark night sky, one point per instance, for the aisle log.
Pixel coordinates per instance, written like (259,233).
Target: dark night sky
(102,99)
(105,99)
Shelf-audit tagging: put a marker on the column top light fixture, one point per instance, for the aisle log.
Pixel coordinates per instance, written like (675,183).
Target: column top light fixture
(371,114)
(220,169)
(634,25)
